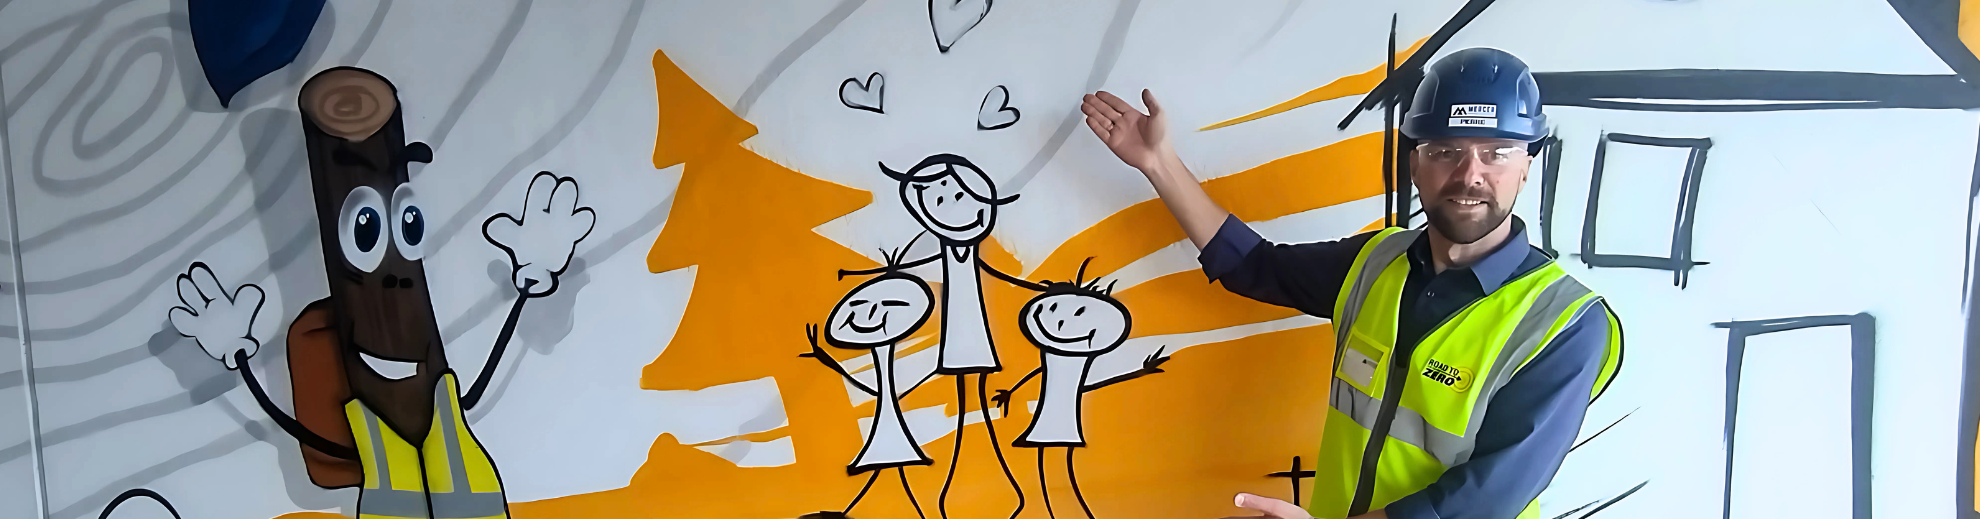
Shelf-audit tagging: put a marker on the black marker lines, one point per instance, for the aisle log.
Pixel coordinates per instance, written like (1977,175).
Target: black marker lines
(1400,83)
(1679,262)
(1862,383)
(868,96)
(996,112)
(1710,90)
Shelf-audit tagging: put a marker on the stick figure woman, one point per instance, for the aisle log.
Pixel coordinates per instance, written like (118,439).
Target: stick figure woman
(1071,324)
(875,316)
(957,202)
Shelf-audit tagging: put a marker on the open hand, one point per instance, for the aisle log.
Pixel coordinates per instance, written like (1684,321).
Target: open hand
(811,332)
(1140,140)
(1153,364)
(1003,400)
(541,240)
(222,321)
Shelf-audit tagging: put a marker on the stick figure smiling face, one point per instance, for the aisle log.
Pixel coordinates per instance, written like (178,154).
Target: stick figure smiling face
(951,197)
(881,311)
(1074,320)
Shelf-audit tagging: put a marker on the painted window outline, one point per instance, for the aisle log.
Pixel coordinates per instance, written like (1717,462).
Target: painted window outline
(1862,385)
(1679,262)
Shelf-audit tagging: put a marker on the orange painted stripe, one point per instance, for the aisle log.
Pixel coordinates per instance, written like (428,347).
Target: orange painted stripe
(1346,86)
(1373,226)
(1969,33)
(1341,172)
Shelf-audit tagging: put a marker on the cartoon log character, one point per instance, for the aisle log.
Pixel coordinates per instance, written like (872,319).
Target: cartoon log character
(875,316)
(1072,324)
(957,202)
(377,406)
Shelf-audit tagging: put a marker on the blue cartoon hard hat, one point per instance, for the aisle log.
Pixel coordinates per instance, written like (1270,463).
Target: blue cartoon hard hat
(1476,92)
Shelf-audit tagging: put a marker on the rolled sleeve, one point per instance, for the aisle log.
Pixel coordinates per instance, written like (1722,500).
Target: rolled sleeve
(1529,427)
(1226,251)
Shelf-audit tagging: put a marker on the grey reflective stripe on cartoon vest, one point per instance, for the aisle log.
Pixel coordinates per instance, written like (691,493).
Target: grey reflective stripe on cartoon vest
(463,502)
(1408,426)
(384,500)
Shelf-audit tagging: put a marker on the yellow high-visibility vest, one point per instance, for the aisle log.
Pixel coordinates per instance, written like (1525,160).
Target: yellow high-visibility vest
(1448,380)
(448,476)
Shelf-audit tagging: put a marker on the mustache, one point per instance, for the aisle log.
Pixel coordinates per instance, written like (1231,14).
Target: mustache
(1467,191)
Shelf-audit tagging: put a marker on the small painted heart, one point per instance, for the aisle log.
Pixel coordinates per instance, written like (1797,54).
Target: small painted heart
(996,112)
(864,96)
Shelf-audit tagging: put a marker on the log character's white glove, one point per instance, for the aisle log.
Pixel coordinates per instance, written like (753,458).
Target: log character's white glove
(542,238)
(222,321)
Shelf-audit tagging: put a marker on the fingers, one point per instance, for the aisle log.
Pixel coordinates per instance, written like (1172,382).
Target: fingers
(185,321)
(204,282)
(189,293)
(1148,98)
(564,197)
(1100,106)
(540,189)
(250,295)
(1103,133)
(581,223)
(503,230)
(1098,111)
(1272,507)
(1118,104)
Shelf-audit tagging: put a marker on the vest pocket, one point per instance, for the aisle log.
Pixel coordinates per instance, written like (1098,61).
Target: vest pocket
(1363,361)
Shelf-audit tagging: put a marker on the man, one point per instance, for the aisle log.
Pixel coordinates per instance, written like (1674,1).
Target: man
(1465,357)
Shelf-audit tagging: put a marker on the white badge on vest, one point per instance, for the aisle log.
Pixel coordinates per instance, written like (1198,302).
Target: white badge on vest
(1358,367)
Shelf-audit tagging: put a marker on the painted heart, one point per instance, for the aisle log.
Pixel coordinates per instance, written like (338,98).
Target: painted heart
(996,112)
(953,18)
(864,96)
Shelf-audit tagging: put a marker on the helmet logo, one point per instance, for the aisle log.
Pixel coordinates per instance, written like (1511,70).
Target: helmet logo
(1478,116)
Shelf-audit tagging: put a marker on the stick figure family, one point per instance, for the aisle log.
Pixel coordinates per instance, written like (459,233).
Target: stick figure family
(1071,324)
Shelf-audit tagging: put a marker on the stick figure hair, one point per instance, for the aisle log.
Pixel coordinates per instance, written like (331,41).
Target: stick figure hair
(897,259)
(1082,286)
(976,183)
(1079,291)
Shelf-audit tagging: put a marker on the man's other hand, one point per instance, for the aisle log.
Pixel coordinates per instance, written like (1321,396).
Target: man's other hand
(1140,140)
(1269,508)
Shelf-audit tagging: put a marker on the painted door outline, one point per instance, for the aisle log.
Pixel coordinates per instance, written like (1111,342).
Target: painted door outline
(1862,384)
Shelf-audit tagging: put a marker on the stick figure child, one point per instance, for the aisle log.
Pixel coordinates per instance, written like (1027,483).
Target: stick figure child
(957,202)
(876,316)
(1072,324)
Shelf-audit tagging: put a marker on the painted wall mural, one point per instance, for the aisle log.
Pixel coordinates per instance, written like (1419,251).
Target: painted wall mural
(331,259)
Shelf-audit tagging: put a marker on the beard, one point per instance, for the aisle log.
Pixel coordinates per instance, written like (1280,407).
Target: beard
(1464,230)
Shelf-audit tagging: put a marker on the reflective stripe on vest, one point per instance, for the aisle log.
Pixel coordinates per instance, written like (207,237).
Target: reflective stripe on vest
(448,477)
(1450,378)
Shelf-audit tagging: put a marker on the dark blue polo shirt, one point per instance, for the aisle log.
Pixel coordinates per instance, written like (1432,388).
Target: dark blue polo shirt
(1530,424)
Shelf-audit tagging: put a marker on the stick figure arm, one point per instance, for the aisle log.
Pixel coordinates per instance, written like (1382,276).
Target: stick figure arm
(876,270)
(289,424)
(917,385)
(1149,366)
(1003,398)
(811,331)
(1014,280)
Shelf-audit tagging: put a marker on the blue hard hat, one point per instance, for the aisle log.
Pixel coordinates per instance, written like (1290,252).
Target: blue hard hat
(1476,92)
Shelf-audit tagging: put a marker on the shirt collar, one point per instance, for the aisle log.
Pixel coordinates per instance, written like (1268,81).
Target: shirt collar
(1496,268)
